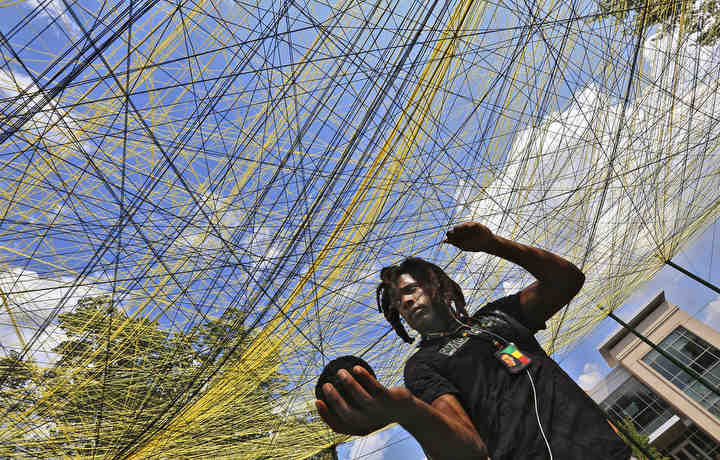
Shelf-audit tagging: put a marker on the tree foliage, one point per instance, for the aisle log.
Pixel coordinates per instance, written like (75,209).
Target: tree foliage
(119,377)
(701,18)
(639,439)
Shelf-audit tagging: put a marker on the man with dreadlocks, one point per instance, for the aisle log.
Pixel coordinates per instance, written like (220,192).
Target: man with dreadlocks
(479,385)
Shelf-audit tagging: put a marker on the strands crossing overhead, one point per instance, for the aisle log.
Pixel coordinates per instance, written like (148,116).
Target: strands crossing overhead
(197,196)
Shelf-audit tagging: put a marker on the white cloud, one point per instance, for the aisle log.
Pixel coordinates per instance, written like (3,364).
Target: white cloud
(712,314)
(570,175)
(29,300)
(514,285)
(370,447)
(49,123)
(55,9)
(590,377)
(225,217)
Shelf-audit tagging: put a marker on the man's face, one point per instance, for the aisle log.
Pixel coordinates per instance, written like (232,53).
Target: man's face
(417,309)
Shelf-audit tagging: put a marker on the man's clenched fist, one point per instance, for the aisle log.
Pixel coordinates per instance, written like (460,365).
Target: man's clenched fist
(471,236)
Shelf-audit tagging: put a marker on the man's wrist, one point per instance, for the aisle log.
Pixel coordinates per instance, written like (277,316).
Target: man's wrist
(410,412)
(494,245)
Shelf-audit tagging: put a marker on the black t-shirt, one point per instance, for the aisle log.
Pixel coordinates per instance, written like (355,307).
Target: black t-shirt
(501,404)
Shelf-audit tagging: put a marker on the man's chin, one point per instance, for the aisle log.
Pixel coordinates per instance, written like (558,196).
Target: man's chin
(424,325)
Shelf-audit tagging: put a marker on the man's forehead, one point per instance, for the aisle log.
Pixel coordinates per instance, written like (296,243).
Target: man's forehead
(405,279)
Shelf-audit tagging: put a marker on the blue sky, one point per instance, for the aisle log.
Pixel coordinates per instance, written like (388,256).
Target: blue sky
(258,240)
(583,363)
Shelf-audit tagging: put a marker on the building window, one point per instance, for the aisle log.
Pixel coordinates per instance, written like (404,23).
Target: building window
(694,444)
(637,402)
(699,356)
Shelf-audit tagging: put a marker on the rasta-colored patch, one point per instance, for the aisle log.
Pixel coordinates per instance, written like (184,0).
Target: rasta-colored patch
(512,358)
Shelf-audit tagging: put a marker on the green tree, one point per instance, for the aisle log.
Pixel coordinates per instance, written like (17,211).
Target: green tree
(109,380)
(703,18)
(16,376)
(638,438)
(117,374)
(17,395)
(326,454)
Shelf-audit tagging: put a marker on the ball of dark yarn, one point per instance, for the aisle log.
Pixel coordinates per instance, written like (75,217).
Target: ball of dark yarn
(329,375)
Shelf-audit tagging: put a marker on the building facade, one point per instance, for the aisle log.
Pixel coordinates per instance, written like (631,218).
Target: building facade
(679,414)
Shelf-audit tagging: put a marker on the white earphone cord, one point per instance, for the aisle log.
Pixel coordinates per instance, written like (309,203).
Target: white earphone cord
(537,415)
(532,385)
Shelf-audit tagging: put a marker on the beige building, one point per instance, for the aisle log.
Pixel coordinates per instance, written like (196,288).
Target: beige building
(680,415)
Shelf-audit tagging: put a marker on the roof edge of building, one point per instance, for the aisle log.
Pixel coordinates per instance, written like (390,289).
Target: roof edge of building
(621,331)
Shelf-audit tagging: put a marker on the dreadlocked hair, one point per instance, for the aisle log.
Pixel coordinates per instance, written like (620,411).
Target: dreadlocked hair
(439,286)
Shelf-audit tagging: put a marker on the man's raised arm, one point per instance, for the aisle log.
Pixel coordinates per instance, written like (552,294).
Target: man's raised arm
(558,280)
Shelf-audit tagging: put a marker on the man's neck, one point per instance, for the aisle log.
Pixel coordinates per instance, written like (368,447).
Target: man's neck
(450,328)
